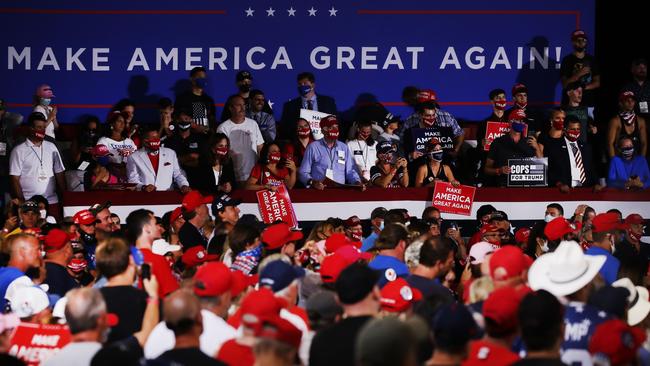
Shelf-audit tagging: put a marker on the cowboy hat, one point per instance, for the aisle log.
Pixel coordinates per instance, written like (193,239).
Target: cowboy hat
(638,301)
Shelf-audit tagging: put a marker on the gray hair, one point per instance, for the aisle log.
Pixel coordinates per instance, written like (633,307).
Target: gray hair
(84,308)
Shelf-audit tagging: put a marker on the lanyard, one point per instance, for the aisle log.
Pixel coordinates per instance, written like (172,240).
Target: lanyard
(40,158)
(329,153)
(364,155)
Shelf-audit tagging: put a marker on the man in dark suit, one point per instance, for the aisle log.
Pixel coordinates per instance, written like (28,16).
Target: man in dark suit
(570,162)
(307,100)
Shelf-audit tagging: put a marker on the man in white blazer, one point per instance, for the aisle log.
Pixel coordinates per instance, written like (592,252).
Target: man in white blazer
(155,168)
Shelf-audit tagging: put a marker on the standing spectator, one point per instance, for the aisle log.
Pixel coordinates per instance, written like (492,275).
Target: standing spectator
(246,140)
(628,169)
(639,86)
(555,131)
(8,124)
(196,215)
(363,149)
(520,103)
(359,296)
(186,143)
(87,221)
(225,212)
(436,258)
(616,343)
(105,224)
(581,67)
(570,162)
(328,159)
(256,111)
(498,100)
(244,82)
(295,150)
(453,328)
(58,253)
(25,263)
(198,101)
(574,110)
(627,124)
(308,99)
(631,251)
(35,167)
(216,173)
(43,104)
(126,108)
(386,342)
(376,223)
(271,171)
(434,170)
(605,227)
(390,247)
(389,171)
(119,147)
(155,168)
(166,112)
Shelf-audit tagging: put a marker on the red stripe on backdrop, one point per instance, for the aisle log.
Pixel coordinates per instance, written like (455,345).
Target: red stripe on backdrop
(153,106)
(109,11)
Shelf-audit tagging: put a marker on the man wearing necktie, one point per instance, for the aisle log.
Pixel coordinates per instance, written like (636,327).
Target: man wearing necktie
(570,161)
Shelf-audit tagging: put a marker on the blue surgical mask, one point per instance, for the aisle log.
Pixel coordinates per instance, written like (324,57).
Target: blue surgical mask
(518,127)
(46,101)
(437,156)
(201,83)
(103,160)
(304,89)
(548,218)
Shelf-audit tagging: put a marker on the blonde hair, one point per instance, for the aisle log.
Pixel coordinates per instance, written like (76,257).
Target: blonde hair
(480,289)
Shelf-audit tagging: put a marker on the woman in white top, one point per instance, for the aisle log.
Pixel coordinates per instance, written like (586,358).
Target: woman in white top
(119,147)
(363,149)
(42,104)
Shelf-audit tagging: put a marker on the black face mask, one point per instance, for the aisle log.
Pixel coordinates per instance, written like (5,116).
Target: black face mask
(33,272)
(86,238)
(245,88)
(580,49)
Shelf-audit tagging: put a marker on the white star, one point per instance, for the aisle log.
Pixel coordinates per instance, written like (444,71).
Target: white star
(333,12)
(270,103)
(312,12)
(291,11)
(249,12)
(270,12)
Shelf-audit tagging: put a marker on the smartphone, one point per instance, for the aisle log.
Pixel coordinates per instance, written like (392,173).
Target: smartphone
(145,271)
(532,133)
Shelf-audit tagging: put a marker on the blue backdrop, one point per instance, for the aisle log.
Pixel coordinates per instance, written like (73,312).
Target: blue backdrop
(95,53)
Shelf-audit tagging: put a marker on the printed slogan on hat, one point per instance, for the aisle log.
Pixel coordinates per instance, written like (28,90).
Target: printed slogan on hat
(454,200)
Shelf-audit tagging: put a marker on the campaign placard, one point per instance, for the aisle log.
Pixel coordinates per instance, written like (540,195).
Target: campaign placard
(455,200)
(313,117)
(422,136)
(494,130)
(276,206)
(35,343)
(528,172)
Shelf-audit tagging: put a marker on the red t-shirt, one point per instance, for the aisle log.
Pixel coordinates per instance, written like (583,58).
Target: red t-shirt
(483,352)
(160,268)
(474,239)
(235,354)
(265,176)
(154,161)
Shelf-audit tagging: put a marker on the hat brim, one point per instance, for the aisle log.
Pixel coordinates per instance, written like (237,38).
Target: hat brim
(538,278)
(641,309)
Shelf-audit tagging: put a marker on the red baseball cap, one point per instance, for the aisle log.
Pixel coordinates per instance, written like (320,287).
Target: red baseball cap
(626,95)
(633,219)
(335,241)
(578,33)
(507,262)
(397,296)
(197,255)
(352,254)
(352,221)
(277,235)
(260,304)
(194,199)
(175,214)
(242,281)
(558,227)
(606,222)
(212,279)
(281,330)
(329,121)
(522,235)
(332,266)
(502,306)
(617,341)
(517,114)
(519,88)
(100,151)
(84,217)
(427,95)
(55,240)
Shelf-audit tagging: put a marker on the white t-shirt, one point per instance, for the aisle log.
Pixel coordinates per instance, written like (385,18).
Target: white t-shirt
(36,166)
(244,139)
(74,354)
(49,129)
(364,156)
(120,149)
(215,333)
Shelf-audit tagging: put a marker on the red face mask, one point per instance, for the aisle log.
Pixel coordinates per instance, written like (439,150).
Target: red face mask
(356,235)
(364,135)
(500,105)
(304,131)
(572,135)
(332,133)
(558,125)
(522,106)
(275,157)
(429,120)
(221,151)
(77,265)
(39,135)
(634,235)
(152,144)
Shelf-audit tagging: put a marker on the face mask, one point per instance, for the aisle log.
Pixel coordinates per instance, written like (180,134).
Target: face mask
(184,126)
(304,89)
(572,135)
(274,157)
(385,158)
(39,135)
(634,235)
(103,160)
(153,144)
(46,101)
(77,265)
(332,133)
(201,83)
(518,127)
(545,247)
(500,105)
(381,227)
(549,218)
(429,120)
(558,125)
(43,214)
(579,49)
(364,135)
(221,152)
(245,88)
(356,236)
(627,152)
(628,117)
(521,106)
(436,156)
(304,131)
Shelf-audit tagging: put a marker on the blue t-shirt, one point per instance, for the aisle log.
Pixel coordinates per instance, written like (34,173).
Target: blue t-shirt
(609,270)
(369,242)
(580,321)
(388,268)
(7,276)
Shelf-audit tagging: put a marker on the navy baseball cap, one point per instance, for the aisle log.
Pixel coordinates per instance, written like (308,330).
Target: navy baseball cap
(385,147)
(279,274)
(453,324)
(243,75)
(219,204)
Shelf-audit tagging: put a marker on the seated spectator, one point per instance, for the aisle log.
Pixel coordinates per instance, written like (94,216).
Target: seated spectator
(328,161)
(627,124)
(390,125)
(574,110)
(271,171)
(257,111)
(58,253)
(555,132)
(295,150)
(98,175)
(434,170)
(216,173)
(363,149)
(204,113)
(119,147)
(186,143)
(512,145)
(43,104)
(155,168)
(246,140)
(628,170)
(389,171)
(570,161)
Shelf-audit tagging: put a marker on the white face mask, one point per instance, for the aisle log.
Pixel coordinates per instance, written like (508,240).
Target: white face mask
(611,240)
(545,247)
(549,218)
(43,214)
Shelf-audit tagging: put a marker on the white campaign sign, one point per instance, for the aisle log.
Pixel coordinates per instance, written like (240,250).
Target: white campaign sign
(313,117)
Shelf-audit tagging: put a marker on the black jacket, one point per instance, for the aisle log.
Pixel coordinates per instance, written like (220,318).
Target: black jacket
(291,113)
(559,166)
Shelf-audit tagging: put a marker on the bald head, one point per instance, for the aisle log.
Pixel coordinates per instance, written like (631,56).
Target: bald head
(182,310)
(23,251)
(85,310)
